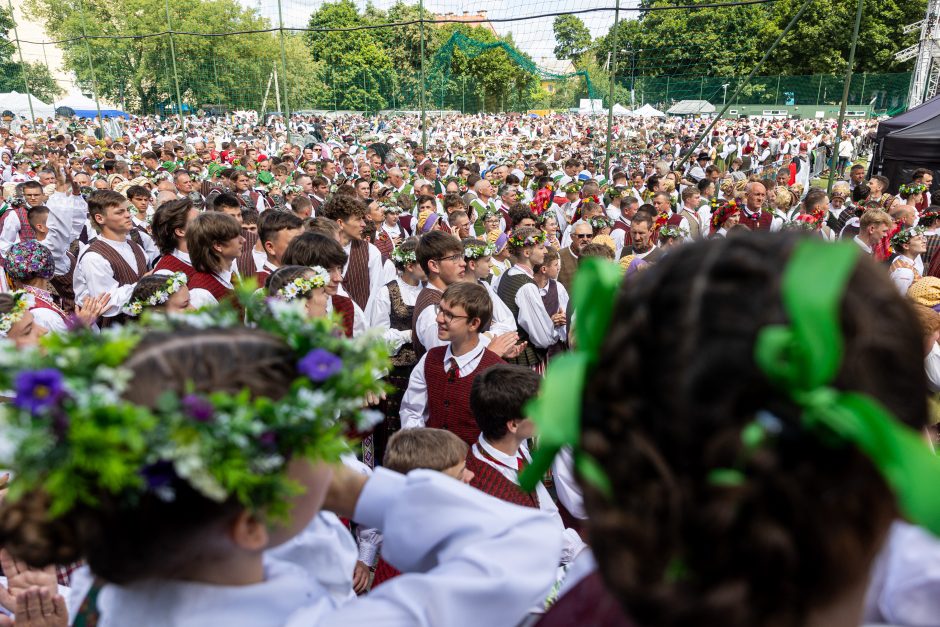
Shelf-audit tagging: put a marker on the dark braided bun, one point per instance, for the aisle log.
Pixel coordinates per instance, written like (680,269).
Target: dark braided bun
(675,383)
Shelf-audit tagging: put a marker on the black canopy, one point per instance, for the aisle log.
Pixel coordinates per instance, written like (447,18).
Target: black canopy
(907,142)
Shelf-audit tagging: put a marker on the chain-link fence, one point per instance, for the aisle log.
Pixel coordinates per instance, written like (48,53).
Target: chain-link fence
(306,55)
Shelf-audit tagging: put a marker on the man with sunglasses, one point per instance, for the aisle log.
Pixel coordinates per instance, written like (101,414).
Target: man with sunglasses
(581,234)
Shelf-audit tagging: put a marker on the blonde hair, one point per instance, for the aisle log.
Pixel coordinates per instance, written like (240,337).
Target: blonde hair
(433,449)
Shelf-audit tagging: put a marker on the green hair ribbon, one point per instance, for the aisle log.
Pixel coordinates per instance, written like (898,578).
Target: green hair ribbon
(803,359)
(557,409)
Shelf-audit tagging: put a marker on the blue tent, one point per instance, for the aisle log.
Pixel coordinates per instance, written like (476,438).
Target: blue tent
(85,107)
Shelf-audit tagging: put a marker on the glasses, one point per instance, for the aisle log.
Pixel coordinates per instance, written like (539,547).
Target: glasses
(583,235)
(455,257)
(449,316)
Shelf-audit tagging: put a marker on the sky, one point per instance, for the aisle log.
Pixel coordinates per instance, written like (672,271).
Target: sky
(534,36)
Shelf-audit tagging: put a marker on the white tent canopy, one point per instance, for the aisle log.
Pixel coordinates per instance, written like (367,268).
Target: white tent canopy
(619,109)
(691,107)
(76,101)
(18,104)
(647,111)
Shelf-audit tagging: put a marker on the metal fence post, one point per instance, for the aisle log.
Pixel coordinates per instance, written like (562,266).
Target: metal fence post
(610,96)
(845,96)
(91,66)
(29,97)
(176,78)
(861,99)
(777,95)
(286,112)
(424,128)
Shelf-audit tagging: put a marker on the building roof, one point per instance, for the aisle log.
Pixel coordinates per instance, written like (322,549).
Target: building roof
(478,19)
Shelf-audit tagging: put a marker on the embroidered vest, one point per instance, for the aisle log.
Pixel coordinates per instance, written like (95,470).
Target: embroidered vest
(356,280)
(449,397)
(426,298)
(400,316)
(491,481)
(509,286)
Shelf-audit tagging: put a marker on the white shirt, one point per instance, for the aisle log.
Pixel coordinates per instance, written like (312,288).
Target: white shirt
(932,366)
(199,297)
(502,321)
(903,276)
(532,315)
(414,405)
(426,326)
(507,465)
(905,578)
(566,486)
(65,213)
(94,276)
(379,313)
(375,268)
(862,244)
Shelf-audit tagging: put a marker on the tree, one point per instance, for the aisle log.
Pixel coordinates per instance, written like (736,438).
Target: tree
(572,37)
(138,73)
(41,83)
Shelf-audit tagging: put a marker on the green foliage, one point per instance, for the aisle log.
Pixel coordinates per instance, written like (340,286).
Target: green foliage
(41,83)
(572,37)
(139,71)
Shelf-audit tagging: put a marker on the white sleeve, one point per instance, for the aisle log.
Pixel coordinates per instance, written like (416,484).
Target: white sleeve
(99,279)
(502,322)
(426,327)
(11,231)
(376,271)
(389,273)
(566,487)
(477,560)
(48,319)
(902,277)
(59,224)
(414,404)
(359,321)
(200,298)
(533,317)
(380,306)
(563,300)
(932,365)
(150,248)
(79,216)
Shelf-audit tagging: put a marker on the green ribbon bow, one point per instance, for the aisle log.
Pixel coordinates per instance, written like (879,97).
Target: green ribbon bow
(556,411)
(804,357)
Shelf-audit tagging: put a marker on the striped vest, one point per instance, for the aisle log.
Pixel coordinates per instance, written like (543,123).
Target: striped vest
(449,397)
(356,280)
(426,298)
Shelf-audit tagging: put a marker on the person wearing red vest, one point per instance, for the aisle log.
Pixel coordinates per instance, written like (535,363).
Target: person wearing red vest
(112,263)
(315,249)
(168,227)
(276,229)
(215,241)
(438,394)
(497,398)
(249,260)
(362,274)
(752,215)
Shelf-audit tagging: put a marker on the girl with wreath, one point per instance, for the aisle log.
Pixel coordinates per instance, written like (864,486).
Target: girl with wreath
(724,217)
(165,293)
(907,265)
(202,474)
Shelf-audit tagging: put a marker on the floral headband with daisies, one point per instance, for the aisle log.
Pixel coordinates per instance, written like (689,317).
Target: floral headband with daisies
(476,251)
(534,239)
(70,433)
(174,283)
(403,257)
(303,285)
(22,302)
(906,235)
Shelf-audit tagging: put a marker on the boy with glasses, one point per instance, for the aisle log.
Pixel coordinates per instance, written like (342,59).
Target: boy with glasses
(438,394)
(441,257)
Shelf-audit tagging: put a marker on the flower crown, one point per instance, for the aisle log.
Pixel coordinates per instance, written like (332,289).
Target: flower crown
(601,222)
(573,187)
(909,190)
(723,212)
(292,189)
(70,432)
(22,301)
(673,232)
(472,251)
(906,235)
(403,257)
(532,240)
(302,286)
(174,283)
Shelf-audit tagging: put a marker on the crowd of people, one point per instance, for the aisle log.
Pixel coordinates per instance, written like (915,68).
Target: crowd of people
(327,375)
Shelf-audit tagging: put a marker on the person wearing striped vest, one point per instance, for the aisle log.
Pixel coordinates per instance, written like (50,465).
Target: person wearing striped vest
(214,241)
(169,225)
(316,249)
(112,263)
(441,256)
(438,394)
(517,288)
(362,274)
(497,398)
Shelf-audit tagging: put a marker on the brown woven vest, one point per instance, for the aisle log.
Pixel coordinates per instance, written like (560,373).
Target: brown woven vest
(356,280)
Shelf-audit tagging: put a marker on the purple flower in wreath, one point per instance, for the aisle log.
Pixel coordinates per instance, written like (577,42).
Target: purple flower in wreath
(37,390)
(268,440)
(320,365)
(158,474)
(197,408)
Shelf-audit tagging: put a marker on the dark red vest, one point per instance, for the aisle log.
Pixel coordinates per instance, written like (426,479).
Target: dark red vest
(426,298)
(356,280)
(208,282)
(173,264)
(346,309)
(489,480)
(449,397)
(761,223)
(587,604)
(26,231)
